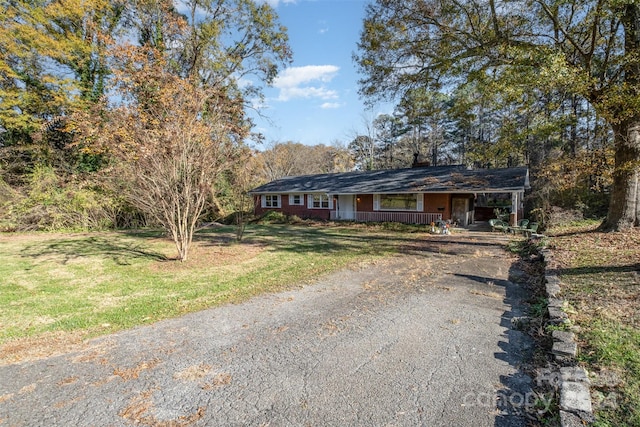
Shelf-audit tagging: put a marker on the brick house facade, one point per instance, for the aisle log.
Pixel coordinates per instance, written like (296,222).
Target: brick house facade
(413,195)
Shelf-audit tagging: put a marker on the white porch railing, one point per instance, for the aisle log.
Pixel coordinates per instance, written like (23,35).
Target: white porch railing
(404,217)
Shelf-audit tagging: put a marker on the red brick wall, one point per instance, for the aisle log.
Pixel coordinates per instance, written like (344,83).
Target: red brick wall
(300,210)
(258,209)
(433,201)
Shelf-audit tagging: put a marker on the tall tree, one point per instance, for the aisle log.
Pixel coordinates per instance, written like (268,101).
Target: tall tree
(388,130)
(591,49)
(42,44)
(232,38)
(55,56)
(176,126)
(171,147)
(363,151)
(425,114)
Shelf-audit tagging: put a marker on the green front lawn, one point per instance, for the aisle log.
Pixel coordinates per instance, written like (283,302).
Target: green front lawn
(95,283)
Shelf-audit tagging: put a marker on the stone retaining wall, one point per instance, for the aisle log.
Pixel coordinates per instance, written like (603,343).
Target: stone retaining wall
(572,380)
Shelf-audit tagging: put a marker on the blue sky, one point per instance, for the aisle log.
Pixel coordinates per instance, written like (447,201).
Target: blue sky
(315,100)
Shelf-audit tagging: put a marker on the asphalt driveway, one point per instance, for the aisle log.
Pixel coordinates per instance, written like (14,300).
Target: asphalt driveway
(420,339)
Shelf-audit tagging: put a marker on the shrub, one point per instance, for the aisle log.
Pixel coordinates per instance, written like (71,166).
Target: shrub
(273,217)
(50,204)
(8,196)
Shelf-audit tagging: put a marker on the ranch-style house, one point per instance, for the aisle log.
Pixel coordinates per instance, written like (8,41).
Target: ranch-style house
(417,195)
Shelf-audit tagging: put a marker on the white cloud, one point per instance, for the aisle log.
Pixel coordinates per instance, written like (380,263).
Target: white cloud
(324,28)
(295,82)
(306,92)
(330,105)
(294,76)
(275,3)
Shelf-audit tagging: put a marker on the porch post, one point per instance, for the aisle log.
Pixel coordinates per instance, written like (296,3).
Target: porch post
(515,204)
(334,199)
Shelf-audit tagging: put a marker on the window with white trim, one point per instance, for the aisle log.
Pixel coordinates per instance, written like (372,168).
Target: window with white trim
(398,202)
(318,201)
(296,199)
(271,201)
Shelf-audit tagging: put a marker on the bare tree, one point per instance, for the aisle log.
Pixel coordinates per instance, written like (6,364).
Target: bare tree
(280,160)
(363,145)
(172,177)
(293,159)
(170,145)
(240,179)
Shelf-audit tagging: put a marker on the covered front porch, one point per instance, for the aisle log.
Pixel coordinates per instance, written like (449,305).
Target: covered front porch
(507,206)
(363,208)
(403,217)
(462,209)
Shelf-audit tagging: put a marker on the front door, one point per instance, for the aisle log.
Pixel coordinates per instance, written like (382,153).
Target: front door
(346,209)
(459,211)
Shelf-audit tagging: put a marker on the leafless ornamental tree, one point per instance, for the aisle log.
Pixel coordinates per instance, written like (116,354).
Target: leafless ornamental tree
(171,150)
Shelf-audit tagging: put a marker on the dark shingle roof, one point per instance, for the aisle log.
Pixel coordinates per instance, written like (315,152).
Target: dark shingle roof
(443,179)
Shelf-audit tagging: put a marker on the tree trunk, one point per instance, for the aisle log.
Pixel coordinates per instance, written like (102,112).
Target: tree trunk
(624,206)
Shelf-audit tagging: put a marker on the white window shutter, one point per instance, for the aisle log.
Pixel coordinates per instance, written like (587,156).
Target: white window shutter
(420,202)
(290,199)
(310,201)
(263,201)
(330,201)
(376,202)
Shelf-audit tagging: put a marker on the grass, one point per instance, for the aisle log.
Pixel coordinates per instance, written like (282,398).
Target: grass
(600,273)
(54,287)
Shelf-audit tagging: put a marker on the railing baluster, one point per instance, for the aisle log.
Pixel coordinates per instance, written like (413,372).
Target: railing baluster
(404,217)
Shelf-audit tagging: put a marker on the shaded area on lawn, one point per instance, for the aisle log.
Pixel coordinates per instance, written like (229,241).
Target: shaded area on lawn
(65,250)
(575,271)
(326,240)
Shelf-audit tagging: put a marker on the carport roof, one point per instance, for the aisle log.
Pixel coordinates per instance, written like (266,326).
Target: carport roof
(438,179)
